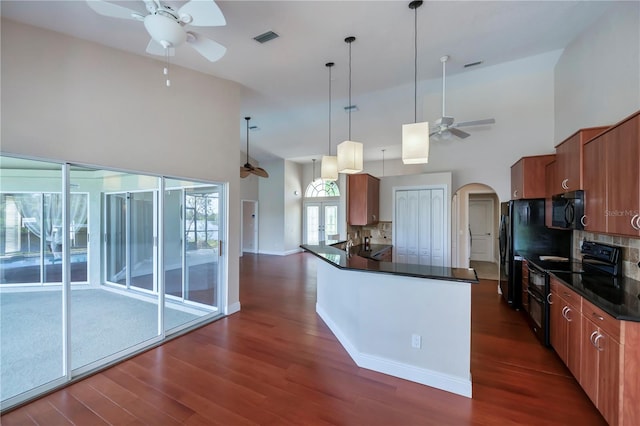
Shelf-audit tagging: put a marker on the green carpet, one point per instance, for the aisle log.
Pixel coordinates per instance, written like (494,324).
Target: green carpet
(102,323)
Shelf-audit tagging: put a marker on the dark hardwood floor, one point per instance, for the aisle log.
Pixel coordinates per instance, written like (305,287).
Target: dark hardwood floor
(276,363)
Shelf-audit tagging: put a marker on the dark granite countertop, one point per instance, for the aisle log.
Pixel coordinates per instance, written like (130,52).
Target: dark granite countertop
(621,301)
(619,297)
(338,258)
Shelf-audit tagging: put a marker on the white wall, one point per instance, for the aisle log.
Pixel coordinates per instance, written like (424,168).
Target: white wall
(71,100)
(271,214)
(597,78)
(518,94)
(293,207)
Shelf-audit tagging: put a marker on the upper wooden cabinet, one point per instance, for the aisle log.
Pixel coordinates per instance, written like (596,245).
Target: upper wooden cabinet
(528,177)
(550,178)
(569,159)
(363,199)
(612,179)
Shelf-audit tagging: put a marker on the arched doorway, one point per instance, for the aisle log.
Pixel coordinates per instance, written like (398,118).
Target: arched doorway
(475,221)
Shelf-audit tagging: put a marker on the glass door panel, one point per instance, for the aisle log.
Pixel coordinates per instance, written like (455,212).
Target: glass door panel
(201,234)
(312,223)
(142,237)
(116,238)
(330,220)
(173,242)
(31,331)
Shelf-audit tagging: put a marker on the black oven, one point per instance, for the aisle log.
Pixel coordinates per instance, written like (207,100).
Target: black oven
(538,308)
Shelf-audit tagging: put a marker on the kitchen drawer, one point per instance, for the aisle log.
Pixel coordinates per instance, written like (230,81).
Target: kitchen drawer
(606,322)
(569,296)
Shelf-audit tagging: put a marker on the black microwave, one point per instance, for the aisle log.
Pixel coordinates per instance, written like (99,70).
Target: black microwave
(568,210)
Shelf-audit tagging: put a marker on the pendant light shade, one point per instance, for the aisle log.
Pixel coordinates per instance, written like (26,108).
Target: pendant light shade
(350,153)
(329,163)
(329,168)
(415,136)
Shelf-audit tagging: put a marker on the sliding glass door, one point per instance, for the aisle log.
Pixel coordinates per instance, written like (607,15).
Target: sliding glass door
(130,236)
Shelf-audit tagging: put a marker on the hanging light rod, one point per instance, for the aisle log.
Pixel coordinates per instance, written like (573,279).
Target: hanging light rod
(350,153)
(415,136)
(329,163)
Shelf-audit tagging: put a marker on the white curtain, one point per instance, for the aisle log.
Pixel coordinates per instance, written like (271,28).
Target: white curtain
(29,206)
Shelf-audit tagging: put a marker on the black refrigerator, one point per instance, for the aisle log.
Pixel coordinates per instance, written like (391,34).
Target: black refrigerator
(524,234)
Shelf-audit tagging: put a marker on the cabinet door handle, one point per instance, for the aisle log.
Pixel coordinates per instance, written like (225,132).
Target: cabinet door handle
(564,311)
(566,314)
(597,316)
(564,184)
(595,342)
(549,299)
(592,336)
(634,222)
(583,220)
(515,193)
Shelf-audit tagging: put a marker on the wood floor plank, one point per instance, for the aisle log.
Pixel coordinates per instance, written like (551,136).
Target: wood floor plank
(276,363)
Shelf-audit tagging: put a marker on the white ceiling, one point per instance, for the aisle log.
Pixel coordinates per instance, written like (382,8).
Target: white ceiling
(286,79)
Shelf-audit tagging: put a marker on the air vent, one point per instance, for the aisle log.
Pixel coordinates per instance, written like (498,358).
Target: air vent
(265,37)
(472,64)
(352,108)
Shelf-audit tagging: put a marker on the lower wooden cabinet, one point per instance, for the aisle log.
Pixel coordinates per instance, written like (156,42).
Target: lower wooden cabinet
(600,351)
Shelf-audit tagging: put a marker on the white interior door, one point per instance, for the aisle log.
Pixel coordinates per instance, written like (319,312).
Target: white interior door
(481,230)
(249,226)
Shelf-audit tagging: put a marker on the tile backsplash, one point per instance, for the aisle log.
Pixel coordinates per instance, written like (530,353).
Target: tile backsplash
(380,233)
(630,250)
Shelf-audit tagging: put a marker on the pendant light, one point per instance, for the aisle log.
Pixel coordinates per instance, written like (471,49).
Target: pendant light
(350,156)
(415,136)
(329,163)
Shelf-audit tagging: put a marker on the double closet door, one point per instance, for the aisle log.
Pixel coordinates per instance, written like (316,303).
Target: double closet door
(420,227)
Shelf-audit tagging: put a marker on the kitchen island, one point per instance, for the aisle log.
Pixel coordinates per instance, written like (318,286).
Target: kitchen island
(408,321)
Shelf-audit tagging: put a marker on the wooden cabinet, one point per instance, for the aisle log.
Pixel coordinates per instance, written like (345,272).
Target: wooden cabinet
(600,368)
(566,325)
(363,199)
(550,179)
(569,159)
(612,180)
(528,177)
(605,351)
(595,187)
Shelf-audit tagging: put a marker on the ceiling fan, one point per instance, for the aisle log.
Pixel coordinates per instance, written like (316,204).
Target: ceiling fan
(446,126)
(166,26)
(248,169)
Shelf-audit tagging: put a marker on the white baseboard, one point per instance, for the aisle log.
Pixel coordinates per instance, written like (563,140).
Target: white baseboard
(397,369)
(232,308)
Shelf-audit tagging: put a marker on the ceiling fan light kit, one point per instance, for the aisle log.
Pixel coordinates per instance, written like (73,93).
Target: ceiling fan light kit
(415,136)
(167,26)
(329,163)
(350,153)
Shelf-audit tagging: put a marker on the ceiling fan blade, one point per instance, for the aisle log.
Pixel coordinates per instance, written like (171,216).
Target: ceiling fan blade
(259,171)
(112,10)
(156,48)
(476,122)
(206,47)
(204,13)
(458,133)
(244,172)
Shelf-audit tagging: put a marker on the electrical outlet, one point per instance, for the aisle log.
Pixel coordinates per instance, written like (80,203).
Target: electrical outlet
(416,341)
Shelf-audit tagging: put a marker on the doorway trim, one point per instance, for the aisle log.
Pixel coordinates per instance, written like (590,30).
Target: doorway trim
(460,220)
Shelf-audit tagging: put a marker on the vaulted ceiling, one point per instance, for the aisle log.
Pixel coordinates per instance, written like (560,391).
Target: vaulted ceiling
(286,79)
